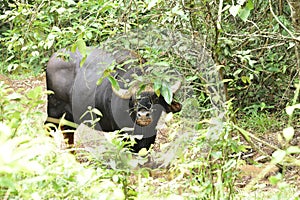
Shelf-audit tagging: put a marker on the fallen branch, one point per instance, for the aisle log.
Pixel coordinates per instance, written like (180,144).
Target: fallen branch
(62,122)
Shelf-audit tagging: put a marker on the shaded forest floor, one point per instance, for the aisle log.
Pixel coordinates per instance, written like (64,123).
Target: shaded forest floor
(255,161)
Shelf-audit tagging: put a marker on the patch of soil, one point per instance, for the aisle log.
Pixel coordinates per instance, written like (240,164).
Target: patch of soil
(24,85)
(258,167)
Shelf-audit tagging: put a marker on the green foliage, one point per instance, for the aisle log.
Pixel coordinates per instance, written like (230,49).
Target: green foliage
(258,61)
(50,24)
(31,164)
(261,123)
(258,56)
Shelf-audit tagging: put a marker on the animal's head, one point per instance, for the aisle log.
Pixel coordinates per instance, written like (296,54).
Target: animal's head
(141,104)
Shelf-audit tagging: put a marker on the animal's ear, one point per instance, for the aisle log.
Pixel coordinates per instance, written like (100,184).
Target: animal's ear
(174,107)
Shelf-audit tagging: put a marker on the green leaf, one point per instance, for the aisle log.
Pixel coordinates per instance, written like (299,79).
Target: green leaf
(60,10)
(81,45)
(293,149)
(191,78)
(198,126)
(275,179)
(162,63)
(245,79)
(35,93)
(250,5)
(114,82)
(244,14)
(100,80)
(83,60)
(233,10)
(166,92)
(288,133)
(74,47)
(157,87)
(143,152)
(14,96)
(70,2)
(278,156)
(245,133)
(141,89)
(290,109)
(151,4)
(217,154)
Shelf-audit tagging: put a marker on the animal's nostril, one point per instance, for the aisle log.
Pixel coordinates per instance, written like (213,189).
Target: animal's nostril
(143,114)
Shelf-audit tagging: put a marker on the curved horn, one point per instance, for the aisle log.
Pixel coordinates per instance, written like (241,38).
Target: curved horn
(127,93)
(176,86)
(124,93)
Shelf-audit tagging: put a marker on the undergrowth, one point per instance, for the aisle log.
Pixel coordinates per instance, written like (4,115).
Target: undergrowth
(32,166)
(199,162)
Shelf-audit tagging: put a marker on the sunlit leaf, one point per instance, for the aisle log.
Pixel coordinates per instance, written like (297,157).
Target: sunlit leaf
(293,149)
(70,2)
(198,126)
(100,80)
(114,82)
(243,14)
(60,10)
(14,96)
(83,60)
(151,4)
(233,10)
(278,156)
(34,93)
(245,79)
(290,109)
(166,92)
(55,28)
(250,5)
(157,87)
(143,152)
(275,179)
(288,133)
(81,46)
(96,111)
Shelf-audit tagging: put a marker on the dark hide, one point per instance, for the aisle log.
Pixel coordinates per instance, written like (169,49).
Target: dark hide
(75,89)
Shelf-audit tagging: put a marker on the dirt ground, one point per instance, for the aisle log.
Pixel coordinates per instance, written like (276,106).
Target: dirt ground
(250,173)
(24,85)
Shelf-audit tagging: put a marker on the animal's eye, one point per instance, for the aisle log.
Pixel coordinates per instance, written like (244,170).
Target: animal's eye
(149,104)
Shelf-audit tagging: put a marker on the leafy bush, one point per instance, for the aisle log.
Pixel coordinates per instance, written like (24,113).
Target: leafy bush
(31,164)
(50,24)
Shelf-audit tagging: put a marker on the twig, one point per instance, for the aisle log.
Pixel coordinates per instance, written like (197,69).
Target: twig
(268,47)
(249,135)
(219,15)
(260,176)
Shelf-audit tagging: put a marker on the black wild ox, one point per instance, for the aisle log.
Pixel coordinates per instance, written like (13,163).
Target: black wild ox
(75,89)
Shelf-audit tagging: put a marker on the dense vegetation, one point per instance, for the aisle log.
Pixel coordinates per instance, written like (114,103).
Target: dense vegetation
(255,45)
